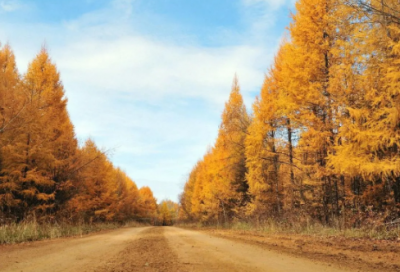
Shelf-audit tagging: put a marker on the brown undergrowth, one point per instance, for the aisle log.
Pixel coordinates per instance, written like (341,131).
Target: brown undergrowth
(34,231)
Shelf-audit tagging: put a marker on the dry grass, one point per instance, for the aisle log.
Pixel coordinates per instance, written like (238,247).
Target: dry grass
(271,226)
(33,231)
(317,229)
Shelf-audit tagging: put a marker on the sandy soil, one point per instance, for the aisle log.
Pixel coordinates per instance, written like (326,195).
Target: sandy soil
(151,249)
(69,254)
(199,251)
(357,254)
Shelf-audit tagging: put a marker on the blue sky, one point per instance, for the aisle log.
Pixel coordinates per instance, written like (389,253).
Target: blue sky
(149,78)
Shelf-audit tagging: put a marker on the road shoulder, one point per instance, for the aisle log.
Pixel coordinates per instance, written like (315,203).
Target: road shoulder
(364,254)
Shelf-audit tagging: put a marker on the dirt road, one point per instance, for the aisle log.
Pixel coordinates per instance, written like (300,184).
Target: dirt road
(151,249)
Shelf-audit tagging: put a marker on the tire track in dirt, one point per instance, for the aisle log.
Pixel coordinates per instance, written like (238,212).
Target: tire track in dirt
(150,253)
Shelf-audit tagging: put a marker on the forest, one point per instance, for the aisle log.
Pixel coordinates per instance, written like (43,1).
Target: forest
(45,175)
(322,141)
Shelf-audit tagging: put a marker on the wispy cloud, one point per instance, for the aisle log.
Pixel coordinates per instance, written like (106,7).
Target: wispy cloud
(147,69)
(125,6)
(275,4)
(9,5)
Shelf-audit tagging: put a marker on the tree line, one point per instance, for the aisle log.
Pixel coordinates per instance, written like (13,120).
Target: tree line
(44,173)
(322,141)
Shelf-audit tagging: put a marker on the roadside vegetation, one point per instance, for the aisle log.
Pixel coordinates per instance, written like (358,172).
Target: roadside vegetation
(318,229)
(33,231)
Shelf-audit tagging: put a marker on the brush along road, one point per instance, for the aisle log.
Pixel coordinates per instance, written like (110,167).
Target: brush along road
(151,249)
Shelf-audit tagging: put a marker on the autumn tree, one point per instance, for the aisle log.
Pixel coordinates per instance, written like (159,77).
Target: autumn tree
(229,186)
(217,189)
(367,150)
(12,104)
(44,142)
(11,95)
(185,198)
(316,61)
(105,193)
(91,186)
(204,206)
(262,148)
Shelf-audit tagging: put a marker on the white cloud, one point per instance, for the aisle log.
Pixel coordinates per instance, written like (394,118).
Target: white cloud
(146,69)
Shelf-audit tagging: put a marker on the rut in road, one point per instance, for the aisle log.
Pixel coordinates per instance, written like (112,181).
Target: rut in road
(149,253)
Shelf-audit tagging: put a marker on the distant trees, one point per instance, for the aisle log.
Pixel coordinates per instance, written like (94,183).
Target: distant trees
(167,213)
(323,140)
(43,172)
(148,204)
